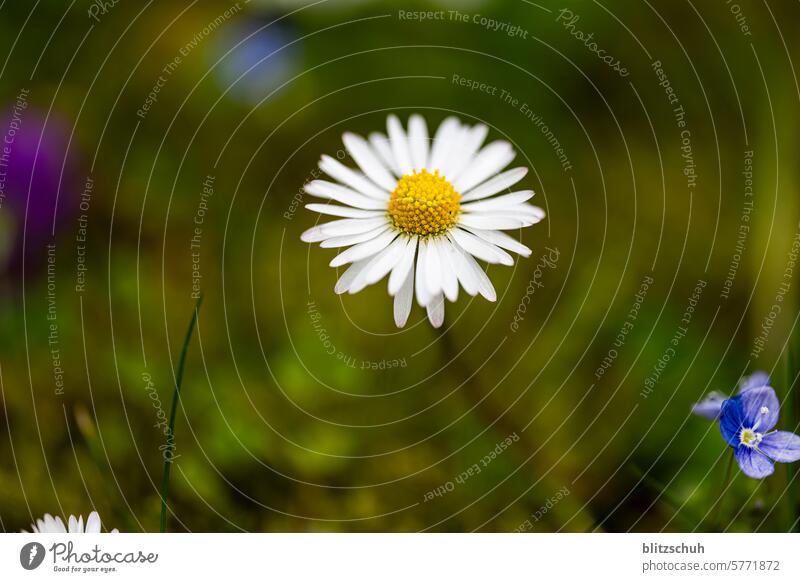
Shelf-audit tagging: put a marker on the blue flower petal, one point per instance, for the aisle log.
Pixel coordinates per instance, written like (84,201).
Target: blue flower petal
(781,446)
(753,463)
(753,401)
(731,418)
(710,406)
(754,380)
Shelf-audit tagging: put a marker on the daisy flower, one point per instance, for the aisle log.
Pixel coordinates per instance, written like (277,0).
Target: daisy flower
(50,524)
(422,211)
(746,422)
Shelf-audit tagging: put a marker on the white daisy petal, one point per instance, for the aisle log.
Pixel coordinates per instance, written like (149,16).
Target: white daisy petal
(420,285)
(418,142)
(347,278)
(502,240)
(433,268)
(463,270)
(485,287)
(402,268)
(449,278)
(380,265)
(527,209)
(74,525)
(436,311)
(341,228)
(383,148)
(494,221)
(490,160)
(352,239)
(443,143)
(331,191)
(357,181)
(368,161)
(494,185)
(499,202)
(468,142)
(480,248)
(404,298)
(399,142)
(344,211)
(364,250)
(93,524)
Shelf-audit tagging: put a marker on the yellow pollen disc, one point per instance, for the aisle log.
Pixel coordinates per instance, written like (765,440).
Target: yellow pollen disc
(424,204)
(748,437)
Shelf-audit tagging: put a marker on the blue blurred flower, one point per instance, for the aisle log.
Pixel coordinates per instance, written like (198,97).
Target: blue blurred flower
(711,406)
(745,422)
(257,57)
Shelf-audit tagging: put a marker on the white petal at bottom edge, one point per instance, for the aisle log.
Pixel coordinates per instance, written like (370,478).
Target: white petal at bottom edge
(93,523)
(436,310)
(403,299)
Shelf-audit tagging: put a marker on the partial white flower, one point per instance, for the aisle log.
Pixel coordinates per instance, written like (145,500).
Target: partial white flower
(50,524)
(421,211)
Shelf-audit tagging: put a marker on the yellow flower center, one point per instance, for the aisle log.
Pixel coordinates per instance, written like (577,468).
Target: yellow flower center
(424,204)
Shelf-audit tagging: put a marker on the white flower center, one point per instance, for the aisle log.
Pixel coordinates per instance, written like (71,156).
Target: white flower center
(750,438)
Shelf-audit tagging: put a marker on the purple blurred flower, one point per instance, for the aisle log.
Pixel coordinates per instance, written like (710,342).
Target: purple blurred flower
(745,422)
(33,159)
(711,406)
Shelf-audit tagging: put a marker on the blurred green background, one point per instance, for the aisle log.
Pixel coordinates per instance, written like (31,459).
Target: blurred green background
(274,432)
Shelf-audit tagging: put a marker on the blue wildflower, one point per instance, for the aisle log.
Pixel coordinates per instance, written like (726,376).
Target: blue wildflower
(745,421)
(711,405)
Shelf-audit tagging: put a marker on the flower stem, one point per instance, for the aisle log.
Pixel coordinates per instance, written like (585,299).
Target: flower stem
(716,520)
(168,458)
